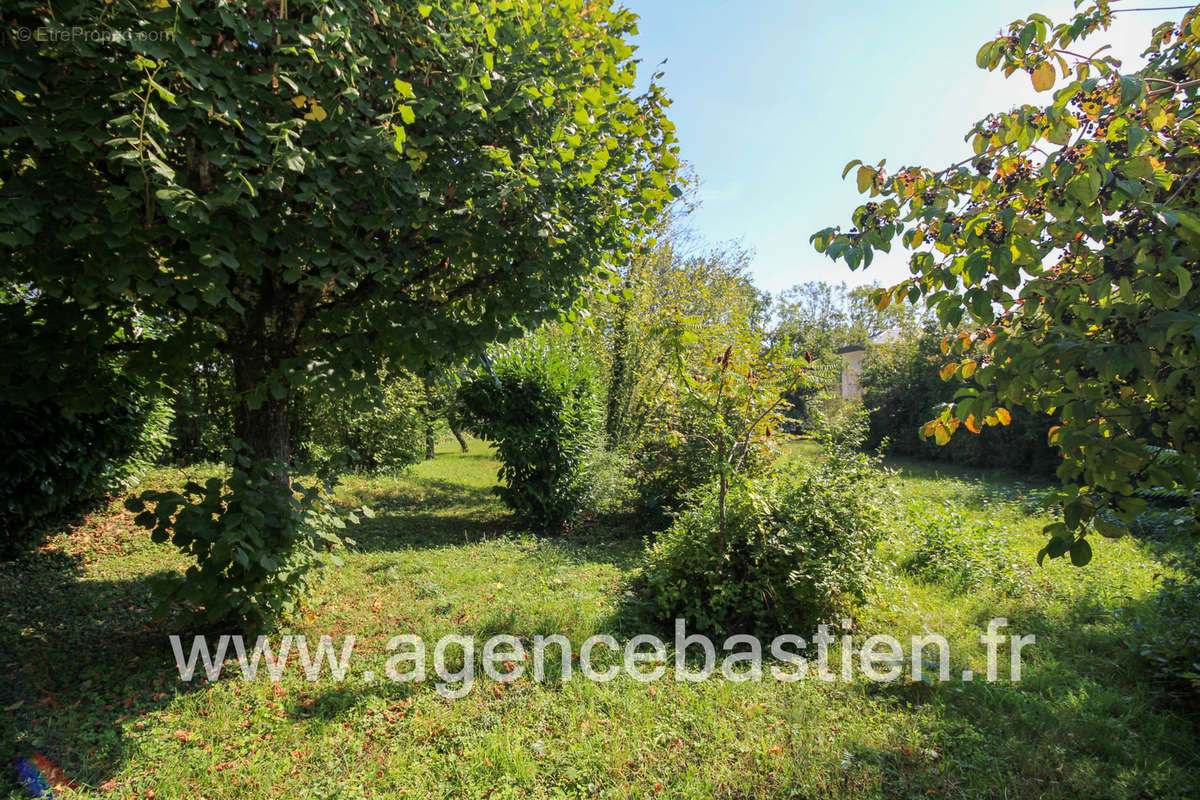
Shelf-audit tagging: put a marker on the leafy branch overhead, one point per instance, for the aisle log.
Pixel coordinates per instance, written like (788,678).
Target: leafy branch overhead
(1069,243)
(328,180)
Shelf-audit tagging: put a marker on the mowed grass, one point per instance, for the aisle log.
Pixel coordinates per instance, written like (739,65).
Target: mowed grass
(99,695)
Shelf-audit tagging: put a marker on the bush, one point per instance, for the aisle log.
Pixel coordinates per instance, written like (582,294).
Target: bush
(799,546)
(53,460)
(541,411)
(964,555)
(666,469)
(255,540)
(386,431)
(609,485)
(902,390)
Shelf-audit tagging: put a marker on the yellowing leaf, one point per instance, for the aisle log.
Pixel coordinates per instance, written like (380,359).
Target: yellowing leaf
(948,371)
(317,114)
(941,436)
(299,100)
(1043,76)
(972,424)
(969,367)
(866,178)
(1003,415)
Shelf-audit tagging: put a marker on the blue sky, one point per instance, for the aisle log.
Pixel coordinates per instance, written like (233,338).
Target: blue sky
(773,97)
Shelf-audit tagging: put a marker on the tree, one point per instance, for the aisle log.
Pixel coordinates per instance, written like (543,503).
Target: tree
(309,187)
(1069,241)
(819,317)
(734,400)
(710,289)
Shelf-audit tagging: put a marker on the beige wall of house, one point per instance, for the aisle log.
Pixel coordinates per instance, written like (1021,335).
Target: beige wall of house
(851,372)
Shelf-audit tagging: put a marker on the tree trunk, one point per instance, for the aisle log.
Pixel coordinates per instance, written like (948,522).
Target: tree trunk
(262,429)
(614,418)
(462,441)
(430,441)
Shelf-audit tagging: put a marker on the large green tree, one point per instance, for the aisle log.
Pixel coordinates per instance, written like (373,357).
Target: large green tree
(309,190)
(1070,243)
(312,188)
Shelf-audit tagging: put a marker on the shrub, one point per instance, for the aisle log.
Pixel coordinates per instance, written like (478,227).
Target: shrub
(666,469)
(53,459)
(609,484)
(964,555)
(254,537)
(799,545)
(903,390)
(540,410)
(386,431)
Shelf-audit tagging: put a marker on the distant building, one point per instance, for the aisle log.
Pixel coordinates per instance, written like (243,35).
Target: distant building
(852,356)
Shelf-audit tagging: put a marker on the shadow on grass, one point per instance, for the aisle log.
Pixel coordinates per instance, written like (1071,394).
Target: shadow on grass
(434,494)
(1084,714)
(77,659)
(388,532)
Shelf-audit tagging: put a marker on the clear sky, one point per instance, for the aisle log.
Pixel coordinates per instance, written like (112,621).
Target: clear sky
(773,97)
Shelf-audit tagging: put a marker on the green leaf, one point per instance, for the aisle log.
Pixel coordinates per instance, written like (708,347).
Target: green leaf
(1081,553)
(163,93)
(1185,280)
(1131,89)
(983,58)
(1108,529)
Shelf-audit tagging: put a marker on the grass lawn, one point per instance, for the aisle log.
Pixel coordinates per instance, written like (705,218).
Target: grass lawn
(96,691)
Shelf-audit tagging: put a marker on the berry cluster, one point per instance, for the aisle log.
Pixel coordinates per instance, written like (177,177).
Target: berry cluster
(1090,101)
(1073,154)
(1133,228)
(1014,173)
(995,231)
(1036,205)
(1116,268)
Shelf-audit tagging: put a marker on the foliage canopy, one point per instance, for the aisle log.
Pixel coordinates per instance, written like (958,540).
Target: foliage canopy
(1069,242)
(312,186)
